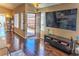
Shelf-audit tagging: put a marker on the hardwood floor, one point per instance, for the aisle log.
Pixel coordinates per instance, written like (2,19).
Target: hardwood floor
(42,49)
(52,51)
(33,46)
(10,41)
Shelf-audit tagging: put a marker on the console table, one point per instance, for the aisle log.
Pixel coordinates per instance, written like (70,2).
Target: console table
(58,42)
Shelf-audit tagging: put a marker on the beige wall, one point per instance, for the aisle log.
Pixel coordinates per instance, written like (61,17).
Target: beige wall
(20,8)
(63,32)
(29,8)
(5,11)
(23,8)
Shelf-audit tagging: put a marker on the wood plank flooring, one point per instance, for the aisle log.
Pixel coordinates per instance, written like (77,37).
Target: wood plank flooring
(52,51)
(44,48)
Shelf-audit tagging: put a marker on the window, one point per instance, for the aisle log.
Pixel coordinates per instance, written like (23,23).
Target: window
(2,25)
(16,20)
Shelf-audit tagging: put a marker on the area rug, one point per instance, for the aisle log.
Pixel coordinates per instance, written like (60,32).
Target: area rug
(18,53)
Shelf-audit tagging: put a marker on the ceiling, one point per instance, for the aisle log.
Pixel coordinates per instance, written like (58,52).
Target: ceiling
(42,5)
(10,5)
(14,5)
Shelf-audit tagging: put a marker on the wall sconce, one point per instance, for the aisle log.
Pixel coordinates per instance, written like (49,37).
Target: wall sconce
(8,16)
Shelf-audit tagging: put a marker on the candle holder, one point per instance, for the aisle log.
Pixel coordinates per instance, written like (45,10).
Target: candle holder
(49,32)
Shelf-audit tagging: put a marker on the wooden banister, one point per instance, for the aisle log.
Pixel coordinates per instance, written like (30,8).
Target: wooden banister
(19,32)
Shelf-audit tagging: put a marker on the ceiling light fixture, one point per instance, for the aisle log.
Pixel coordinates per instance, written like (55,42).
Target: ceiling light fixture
(36,5)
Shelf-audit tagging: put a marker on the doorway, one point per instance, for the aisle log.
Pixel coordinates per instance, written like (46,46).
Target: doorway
(31,25)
